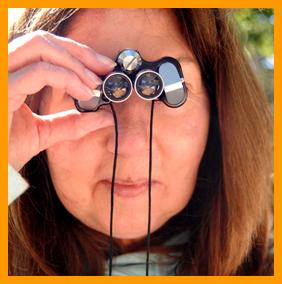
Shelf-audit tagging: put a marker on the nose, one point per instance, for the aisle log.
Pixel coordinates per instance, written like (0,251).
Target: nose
(133,118)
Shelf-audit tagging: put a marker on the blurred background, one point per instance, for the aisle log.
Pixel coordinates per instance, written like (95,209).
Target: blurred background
(256,31)
(255,27)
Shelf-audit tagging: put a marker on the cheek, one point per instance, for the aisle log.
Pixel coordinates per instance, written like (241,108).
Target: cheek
(183,132)
(182,139)
(68,159)
(73,165)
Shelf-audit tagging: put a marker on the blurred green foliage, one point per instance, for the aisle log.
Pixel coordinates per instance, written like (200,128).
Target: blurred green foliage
(256,31)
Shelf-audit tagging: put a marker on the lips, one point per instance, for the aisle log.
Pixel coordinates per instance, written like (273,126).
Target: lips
(127,188)
(130,181)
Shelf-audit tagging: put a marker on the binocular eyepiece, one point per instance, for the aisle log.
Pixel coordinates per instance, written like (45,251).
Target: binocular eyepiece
(158,80)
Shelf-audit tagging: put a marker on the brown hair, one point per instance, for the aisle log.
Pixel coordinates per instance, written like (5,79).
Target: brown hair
(229,216)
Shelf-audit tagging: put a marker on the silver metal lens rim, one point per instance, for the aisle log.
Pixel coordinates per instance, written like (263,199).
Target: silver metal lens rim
(110,75)
(139,75)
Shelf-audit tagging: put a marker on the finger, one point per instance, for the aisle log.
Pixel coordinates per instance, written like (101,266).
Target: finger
(41,48)
(69,125)
(58,50)
(34,77)
(99,63)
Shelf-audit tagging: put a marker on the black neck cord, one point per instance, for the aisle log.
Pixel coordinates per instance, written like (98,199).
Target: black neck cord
(149,191)
(112,191)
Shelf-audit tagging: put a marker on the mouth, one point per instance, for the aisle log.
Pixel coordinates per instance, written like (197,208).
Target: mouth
(128,189)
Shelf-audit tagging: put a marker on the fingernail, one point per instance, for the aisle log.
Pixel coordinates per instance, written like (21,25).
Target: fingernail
(89,92)
(93,77)
(106,60)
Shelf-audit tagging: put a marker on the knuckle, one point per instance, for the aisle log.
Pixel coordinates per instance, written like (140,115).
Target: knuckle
(40,33)
(42,67)
(42,70)
(38,37)
(71,77)
(68,75)
(80,68)
(71,85)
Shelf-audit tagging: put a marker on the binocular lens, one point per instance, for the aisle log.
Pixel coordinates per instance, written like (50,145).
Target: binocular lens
(149,85)
(117,87)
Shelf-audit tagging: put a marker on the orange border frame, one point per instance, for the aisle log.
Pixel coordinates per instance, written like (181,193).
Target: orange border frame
(4,278)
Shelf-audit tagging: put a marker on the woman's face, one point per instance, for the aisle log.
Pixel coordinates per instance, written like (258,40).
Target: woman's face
(81,170)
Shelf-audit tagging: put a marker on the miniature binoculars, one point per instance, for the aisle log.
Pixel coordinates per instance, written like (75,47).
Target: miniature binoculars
(159,80)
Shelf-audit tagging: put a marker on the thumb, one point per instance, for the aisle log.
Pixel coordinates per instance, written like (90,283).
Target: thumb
(69,125)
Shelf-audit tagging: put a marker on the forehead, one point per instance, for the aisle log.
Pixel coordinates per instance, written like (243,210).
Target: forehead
(154,32)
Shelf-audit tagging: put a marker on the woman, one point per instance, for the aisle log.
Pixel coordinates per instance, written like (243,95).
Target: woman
(211,190)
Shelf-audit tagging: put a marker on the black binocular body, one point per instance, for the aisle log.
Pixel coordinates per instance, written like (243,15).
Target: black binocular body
(158,80)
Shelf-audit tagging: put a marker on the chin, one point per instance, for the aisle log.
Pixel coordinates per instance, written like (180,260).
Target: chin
(129,229)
